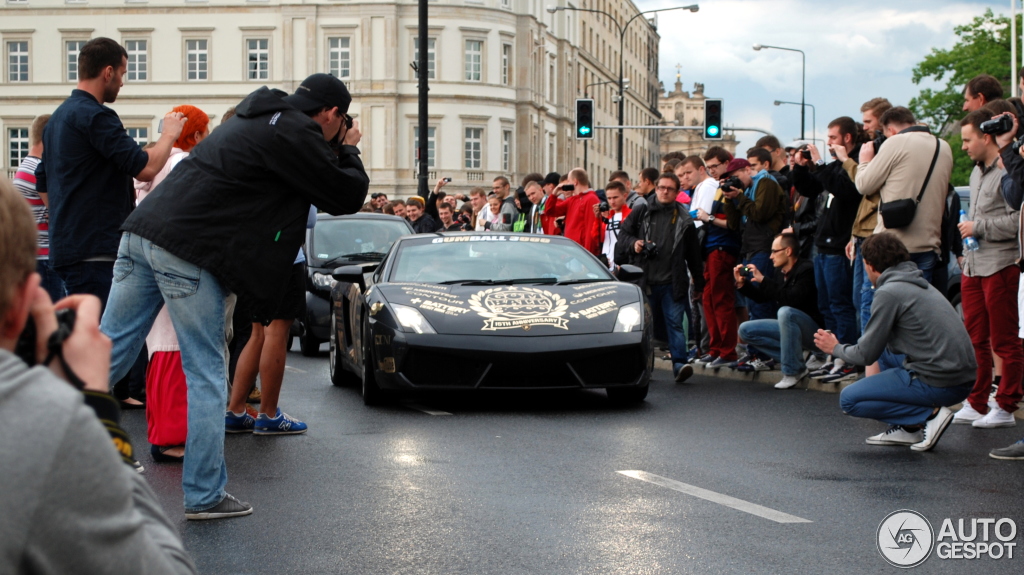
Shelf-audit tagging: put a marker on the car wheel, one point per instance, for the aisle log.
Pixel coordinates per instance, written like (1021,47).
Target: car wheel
(372,393)
(309,344)
(958,306)
(623,396)
(339,375)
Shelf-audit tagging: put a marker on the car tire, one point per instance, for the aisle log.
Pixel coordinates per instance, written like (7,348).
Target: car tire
(309,345)
(372,393)
(624,396)
(339,375)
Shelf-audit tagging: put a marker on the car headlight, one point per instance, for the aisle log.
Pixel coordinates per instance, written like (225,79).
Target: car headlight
(628,319)
(411,319)
(324,281)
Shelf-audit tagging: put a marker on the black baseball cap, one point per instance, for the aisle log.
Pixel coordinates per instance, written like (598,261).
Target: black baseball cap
(552,179)
(320,90)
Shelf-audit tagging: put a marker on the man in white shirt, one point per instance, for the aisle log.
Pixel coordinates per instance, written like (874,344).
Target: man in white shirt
(694,176)
(611,220)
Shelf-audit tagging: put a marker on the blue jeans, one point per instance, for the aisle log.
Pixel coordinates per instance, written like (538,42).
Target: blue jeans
(91,278)
(926,262)
(784,339)
(674,313)
(51,281)
(898,397)
(859,277)
(146,277)
(833,279)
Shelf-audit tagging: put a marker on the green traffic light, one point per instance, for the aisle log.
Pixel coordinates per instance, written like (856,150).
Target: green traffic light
(584,130)
(712,131)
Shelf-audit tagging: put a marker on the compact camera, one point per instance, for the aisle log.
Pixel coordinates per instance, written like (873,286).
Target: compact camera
(604,207)
(747,272)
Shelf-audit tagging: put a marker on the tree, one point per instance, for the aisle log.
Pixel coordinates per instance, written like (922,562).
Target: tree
(983,48)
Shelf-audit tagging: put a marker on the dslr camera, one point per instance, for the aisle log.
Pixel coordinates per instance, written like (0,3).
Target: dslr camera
(1003,124)
(650,250)
(732,183)
(604,207)
(879,140)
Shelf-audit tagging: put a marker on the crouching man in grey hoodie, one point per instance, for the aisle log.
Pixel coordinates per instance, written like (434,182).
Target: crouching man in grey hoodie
(910,317)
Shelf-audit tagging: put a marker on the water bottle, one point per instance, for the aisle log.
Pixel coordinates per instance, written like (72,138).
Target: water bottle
(970,244)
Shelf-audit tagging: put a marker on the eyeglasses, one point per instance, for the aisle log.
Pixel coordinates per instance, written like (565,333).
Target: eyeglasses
(779,250)
(667,189)
(713,166)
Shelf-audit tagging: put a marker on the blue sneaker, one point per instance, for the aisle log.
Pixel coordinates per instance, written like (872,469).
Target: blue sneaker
(283,424)
(238,423)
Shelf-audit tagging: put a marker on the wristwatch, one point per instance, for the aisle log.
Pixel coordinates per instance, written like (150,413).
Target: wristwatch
(820,162)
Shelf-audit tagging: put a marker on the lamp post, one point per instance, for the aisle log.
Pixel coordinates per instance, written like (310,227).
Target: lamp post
(803,81)
(814,116)
(622,44)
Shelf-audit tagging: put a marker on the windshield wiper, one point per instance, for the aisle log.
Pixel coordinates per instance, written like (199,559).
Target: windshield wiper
(360,257)
(501,282)
(580,281)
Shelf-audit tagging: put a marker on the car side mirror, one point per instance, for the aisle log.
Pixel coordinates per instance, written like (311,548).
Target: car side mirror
(351,274)
(628,273)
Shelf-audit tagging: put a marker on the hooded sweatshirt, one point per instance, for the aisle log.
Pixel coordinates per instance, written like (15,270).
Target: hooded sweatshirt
(911,317)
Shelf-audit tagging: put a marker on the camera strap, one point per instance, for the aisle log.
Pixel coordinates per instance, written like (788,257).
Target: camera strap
(55,349)
(928,176)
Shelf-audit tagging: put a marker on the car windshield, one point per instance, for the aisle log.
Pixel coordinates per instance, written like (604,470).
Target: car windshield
(495,259)
(354,238)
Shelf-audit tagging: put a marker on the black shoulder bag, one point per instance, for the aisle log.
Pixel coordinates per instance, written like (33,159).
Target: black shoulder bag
(900,213)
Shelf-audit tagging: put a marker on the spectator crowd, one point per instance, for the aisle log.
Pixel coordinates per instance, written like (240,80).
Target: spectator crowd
(831,264)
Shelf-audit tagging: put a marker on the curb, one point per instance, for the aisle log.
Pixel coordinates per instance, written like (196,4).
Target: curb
(774,376)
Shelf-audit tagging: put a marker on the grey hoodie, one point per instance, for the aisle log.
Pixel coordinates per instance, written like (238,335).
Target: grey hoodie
(67,502)
(912,318)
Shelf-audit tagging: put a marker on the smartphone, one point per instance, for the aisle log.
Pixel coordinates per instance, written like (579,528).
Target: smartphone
(806,154)
(567,187)
(447,180)
(160,126)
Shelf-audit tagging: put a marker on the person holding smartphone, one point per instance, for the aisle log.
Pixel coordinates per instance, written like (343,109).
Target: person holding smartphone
(576,200)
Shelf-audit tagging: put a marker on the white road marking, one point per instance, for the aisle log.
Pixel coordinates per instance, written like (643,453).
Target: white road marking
(738,504)
(294,369)
(426,410)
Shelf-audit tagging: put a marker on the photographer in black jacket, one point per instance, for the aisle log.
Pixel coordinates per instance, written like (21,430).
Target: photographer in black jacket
(661,238)
(833,274)
(792,289)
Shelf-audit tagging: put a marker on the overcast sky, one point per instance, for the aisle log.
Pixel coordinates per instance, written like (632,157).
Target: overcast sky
(856,50)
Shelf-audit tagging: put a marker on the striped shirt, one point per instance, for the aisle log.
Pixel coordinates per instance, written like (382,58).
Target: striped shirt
(25,182)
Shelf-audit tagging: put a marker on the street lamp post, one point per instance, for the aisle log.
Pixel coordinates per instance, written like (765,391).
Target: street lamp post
(622,44)
(803,81)
(814,116)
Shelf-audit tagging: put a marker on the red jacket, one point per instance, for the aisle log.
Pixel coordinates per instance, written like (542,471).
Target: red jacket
(581,223)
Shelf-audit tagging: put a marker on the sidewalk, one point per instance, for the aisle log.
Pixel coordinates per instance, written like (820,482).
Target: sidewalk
(774,376)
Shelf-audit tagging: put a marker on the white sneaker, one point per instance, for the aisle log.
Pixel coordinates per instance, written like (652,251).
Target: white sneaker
(967,415)
(896,435)
(933,430)
(996,418)
(789,381)
(814,362)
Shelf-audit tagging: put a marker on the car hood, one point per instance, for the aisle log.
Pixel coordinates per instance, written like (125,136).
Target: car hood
(517,310)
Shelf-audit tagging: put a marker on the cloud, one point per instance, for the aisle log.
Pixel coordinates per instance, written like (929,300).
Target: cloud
(855,51)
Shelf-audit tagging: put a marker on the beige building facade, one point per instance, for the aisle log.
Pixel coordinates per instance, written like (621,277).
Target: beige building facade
(681,108)
(504,74)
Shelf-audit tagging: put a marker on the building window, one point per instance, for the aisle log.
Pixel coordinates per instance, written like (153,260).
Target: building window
(551,80)
(140,135)
(431,143)
(474,148)
(474,60)
(506,63)
(138,66)
(196,59)
(72,48)
(17,61)
(17,146)
(339,57)
(257,58)
(506,151)
(431,56)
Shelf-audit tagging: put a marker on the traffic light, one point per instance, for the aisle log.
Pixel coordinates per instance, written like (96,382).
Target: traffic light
(584,119)
(712,119)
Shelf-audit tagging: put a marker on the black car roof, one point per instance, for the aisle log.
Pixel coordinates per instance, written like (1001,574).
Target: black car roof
(358,216)
(561,239)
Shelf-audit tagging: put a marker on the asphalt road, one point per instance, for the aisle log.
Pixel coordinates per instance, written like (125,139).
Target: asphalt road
(530,483)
